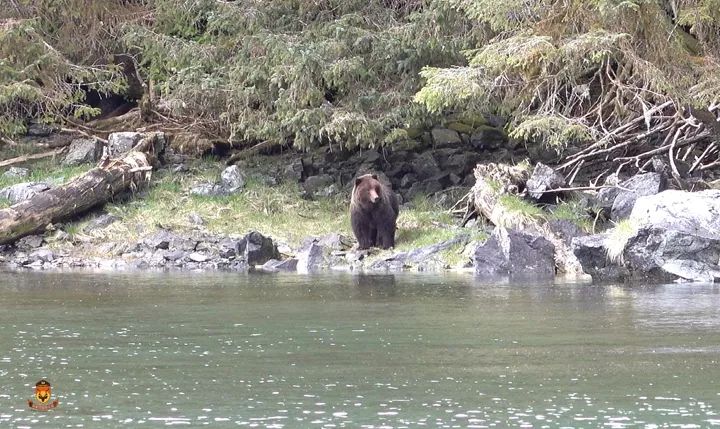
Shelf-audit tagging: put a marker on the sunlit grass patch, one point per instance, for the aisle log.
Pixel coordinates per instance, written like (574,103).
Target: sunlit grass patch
(520,212)
(423,223)
(617,239)
(275,210)
(46,171)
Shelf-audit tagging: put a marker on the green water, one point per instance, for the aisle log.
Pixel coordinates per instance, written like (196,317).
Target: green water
(153,350)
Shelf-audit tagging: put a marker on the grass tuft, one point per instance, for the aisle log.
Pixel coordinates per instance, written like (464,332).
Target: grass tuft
(573,211)
(519,211)
(618,238)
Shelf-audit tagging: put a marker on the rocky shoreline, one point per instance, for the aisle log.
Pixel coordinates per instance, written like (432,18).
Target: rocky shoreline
(251,252)
(650,229)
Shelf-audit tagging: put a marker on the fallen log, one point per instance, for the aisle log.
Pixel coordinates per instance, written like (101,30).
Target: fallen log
(25,158)
(497,188)
(492,181)
(96,187)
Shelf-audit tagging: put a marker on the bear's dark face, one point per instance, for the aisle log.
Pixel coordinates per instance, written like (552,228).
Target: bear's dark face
(368,191)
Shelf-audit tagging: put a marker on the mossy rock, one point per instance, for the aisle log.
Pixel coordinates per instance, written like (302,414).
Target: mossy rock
(414,132)
(410,145)
(473,120)
(461,127)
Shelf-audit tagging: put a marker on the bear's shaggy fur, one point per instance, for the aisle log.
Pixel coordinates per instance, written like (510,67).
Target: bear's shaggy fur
(373,212)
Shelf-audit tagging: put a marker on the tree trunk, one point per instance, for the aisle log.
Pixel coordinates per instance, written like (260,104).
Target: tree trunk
(96,187)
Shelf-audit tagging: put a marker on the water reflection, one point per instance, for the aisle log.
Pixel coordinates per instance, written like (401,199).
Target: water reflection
(227,350)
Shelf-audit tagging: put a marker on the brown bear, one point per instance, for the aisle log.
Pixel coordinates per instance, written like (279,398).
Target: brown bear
(373,212)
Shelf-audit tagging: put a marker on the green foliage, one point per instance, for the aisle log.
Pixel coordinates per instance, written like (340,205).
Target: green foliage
(38,81)
(567,72)
(424,223)
(552,131)
(575,212)
(362,73)
(521,209)
(301,72)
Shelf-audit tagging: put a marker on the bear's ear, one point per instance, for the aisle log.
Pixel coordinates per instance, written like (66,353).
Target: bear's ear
(357,181)
(374,176)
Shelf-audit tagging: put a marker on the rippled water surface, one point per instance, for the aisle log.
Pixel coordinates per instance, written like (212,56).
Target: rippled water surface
(154,350)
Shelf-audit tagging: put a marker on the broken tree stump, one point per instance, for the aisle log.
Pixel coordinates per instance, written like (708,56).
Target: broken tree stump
(496,186)
(96,187)
(492,181)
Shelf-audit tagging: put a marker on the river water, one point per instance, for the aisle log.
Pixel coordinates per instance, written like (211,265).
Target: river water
(273,351)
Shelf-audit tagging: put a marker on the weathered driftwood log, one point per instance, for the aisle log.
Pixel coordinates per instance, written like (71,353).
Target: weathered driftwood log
(495,197)
(492,181)
(96,187)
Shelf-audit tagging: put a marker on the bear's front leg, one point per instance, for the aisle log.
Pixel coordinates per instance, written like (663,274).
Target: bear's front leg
(386,237)
(362,231)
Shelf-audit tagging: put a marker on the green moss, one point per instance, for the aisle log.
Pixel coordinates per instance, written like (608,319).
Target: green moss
(461,127)
(520,207)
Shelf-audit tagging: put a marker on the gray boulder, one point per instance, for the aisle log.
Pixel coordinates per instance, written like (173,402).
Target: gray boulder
(40,130)
(517,255)
(83,151)
(426,258)
(173,255)
(312,257)
(428,186)
(29,242)
(445,137)
(678,236)
(198,257)
(542,180)
(370,157)
(160,240)
(606,196)
(630,190)
(317,184)
(294,171)
(275,265)
(591,252)
(228,248)
(691,212)
(408,180)
(425,166)
(100,222)
(42,255)
(257,249)
(14,172)
(663,254)
(565,230)
(23,191)
(207,190)
(122,142)
(231,179)
(488,138)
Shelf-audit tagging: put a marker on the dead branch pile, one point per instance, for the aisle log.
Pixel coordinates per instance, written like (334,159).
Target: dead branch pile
(689,138)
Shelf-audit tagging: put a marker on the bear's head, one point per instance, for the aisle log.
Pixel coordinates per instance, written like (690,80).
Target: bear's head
(367,191)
